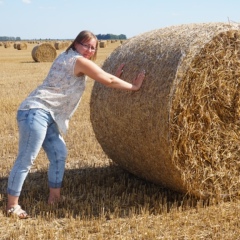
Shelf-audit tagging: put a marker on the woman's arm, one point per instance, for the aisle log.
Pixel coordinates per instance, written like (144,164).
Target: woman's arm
(92,70)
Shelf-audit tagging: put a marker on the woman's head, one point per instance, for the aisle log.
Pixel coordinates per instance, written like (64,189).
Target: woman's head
(86,43)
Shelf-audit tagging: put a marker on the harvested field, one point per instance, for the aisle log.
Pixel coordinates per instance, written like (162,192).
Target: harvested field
(103,201)
(181,130)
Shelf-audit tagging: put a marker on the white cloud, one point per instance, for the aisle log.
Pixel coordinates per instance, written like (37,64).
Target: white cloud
(27,1)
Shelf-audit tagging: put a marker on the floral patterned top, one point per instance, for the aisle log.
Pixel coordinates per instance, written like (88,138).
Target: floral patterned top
(61,91)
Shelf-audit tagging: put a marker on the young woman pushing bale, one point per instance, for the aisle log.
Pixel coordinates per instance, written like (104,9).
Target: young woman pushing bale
(181,129)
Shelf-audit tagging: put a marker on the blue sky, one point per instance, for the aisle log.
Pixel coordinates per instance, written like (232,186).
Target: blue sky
(64,19)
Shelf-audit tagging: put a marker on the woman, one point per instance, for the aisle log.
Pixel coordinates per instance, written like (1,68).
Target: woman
(45,114)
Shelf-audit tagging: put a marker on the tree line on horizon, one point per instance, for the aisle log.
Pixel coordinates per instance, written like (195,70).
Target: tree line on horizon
(5,38)
(111,37)
(108,36)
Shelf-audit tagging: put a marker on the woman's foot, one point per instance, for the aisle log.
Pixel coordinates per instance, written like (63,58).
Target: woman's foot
(54,196)
(17,211)
(52,201)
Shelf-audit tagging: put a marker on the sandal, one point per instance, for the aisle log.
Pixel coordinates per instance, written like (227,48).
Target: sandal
(18,211)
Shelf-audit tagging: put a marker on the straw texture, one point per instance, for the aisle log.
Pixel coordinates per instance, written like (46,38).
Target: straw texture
(44,52)
(181,129)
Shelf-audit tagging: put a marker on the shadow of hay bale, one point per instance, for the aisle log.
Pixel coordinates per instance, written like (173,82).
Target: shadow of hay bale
(181,129)
(98,192)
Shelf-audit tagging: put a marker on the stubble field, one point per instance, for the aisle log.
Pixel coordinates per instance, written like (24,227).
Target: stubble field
(102,201)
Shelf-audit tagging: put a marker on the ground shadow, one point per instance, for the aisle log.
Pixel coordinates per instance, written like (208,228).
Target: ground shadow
(94,192)
(30,62)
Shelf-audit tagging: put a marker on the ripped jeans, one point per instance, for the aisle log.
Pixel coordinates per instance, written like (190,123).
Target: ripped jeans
(37,129)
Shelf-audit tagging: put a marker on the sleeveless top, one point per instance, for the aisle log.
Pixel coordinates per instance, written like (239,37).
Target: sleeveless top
(61,91)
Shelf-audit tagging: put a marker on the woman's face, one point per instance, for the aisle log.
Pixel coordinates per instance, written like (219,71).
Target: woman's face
(87,49)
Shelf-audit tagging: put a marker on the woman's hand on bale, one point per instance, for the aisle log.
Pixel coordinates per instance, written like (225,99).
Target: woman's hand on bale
(119,71)
(137,82)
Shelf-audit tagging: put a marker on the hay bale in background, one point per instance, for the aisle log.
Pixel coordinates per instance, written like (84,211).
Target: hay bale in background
(59,45)
(7,44)
(15,45)
(44,52)
(102,44)
(66,44)
(21,46)
(62,45)
(181,130)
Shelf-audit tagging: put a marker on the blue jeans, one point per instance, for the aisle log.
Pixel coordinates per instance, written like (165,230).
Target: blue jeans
(37,129)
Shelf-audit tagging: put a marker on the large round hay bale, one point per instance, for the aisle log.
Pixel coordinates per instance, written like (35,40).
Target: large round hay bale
(44,52)
(182,128)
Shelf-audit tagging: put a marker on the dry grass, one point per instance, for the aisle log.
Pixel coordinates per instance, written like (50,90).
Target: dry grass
(103,201)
